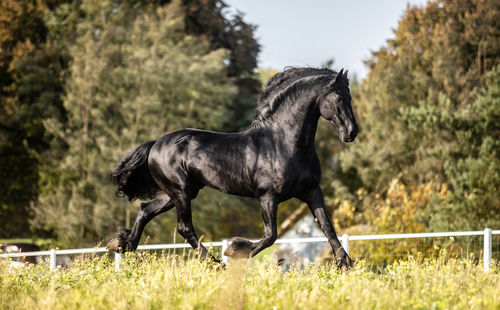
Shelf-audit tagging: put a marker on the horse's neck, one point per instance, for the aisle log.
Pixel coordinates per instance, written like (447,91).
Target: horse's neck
(298,120)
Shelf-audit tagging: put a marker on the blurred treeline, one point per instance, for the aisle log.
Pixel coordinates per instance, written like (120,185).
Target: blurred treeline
(82,82)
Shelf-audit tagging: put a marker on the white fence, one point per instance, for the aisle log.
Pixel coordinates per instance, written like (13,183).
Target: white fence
(345,239)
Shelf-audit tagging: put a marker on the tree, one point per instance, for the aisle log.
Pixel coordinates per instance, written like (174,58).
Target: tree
(471,156)
(135,75)
(35,37)
(423,112)
(209,19)
(444,48)
(30,89)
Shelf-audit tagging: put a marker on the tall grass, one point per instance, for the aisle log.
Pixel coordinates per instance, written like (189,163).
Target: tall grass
(150,281)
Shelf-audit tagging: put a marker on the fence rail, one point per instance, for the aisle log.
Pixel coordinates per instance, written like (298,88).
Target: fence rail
(345,239)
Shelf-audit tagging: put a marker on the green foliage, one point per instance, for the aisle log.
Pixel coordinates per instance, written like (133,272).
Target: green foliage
(427,110)
(80,84)
(470,151)
(445,48)
(30,91)
(148,281)
(134,76)
(210,20)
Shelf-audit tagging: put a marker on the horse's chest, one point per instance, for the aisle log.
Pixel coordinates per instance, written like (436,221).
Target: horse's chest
(302,175)
(291,177)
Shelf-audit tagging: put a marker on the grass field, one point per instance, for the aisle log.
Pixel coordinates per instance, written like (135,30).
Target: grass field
(148,281)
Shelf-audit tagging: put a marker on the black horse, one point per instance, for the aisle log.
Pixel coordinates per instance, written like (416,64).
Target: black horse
(273,160)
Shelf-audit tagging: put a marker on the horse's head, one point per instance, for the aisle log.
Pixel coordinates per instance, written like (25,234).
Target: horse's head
(335,106)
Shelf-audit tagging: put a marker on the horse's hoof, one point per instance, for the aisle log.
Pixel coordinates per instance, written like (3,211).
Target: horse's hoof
(345,262)
(218,265)
(239,248)
(112,245)
(120,243)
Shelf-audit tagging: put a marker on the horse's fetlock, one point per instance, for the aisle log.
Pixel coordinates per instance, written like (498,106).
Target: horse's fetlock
(273,238)
(269,240)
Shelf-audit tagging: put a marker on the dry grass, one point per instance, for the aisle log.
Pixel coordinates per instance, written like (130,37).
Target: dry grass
(148,281)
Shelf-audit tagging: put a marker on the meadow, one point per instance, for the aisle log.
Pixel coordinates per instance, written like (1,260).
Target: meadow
(160,281)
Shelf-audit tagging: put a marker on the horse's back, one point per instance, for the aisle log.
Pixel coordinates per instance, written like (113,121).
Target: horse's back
(202,158)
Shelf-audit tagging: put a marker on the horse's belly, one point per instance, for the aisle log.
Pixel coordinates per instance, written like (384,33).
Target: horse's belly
(224,180)
(238,191)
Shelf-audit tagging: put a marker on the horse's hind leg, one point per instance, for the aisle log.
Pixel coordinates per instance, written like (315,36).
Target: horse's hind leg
(185,224)
(128,240)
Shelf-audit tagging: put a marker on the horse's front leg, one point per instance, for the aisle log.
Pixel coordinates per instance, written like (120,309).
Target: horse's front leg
(243,248)
(128,240)
(314,199)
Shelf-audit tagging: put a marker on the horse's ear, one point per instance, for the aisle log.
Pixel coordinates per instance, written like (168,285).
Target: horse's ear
(339,75)
(337,78)
(345,74)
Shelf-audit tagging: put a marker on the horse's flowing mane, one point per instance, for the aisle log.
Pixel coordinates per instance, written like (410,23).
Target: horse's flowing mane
(270,99)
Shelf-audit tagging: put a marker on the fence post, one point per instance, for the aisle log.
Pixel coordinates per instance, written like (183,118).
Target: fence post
(53,259)
(118,259)
(224,247)
(487,249)
(345,243)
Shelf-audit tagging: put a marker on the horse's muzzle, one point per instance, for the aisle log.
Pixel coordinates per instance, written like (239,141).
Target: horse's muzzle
(348,136)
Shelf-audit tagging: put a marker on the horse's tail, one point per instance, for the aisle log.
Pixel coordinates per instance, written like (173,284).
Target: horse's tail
(132,175)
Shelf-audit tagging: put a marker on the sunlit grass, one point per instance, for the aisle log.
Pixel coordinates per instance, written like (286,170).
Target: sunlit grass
(150,281)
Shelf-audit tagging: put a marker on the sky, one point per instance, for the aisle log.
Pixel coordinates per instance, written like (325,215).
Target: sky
(310,32)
